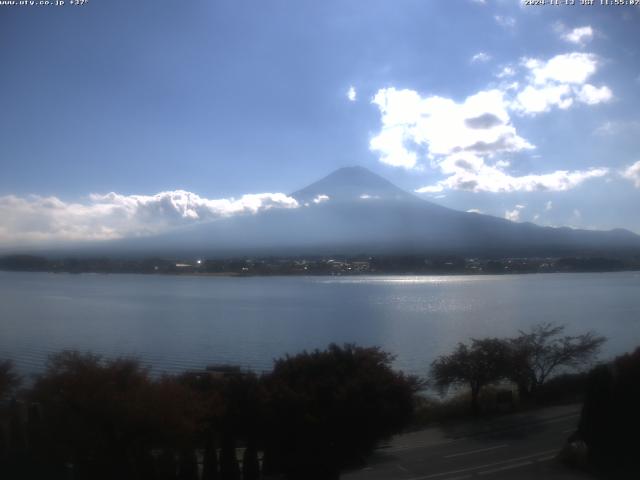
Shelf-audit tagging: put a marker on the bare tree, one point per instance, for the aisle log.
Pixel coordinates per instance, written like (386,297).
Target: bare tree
(538,353)
(480,364)
(9,379)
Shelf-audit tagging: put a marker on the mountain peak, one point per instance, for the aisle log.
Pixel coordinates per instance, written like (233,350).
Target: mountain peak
(352,170)
(352,183)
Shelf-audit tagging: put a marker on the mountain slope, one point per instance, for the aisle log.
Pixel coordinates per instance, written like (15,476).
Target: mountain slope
(354,210)
(351,184)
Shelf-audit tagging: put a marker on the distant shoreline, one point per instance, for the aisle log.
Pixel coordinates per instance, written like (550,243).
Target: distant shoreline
(334,265)
(325,275)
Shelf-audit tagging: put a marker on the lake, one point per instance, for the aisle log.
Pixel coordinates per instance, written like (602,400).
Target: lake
(174,323)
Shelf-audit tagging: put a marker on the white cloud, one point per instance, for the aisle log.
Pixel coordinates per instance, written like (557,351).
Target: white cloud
(480,124)
(474,210)
(514,215)
(471,172)
(579,35)
(320,199)
(480,57)
(505,21)
(632,173)
(438,187)
(507,71)
(35,219)
(618,127)
(572,68)
(467,140)
(607,128)
(560,82)
(534,100)
(548,206)
(592,95)
(352,94)
(390,142)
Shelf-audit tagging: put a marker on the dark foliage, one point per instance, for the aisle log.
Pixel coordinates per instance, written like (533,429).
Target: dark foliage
(9,379)
(250,463)
(564,388)
(610,419)
(91,418)
(105,415)
(327,409)
(529,360)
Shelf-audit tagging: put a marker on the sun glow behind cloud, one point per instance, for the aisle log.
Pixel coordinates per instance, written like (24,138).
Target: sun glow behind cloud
(480,124)
(469,142)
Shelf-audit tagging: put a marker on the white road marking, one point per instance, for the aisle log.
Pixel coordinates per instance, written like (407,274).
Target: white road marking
(471,452)
(413,446)
(545,459)
(507,467)
(558,419)
(486,465)
(421,444)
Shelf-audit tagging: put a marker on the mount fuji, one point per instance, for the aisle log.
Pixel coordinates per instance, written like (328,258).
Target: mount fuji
(353,210)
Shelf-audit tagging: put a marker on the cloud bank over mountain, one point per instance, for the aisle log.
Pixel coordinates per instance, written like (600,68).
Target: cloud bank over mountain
(352,208)
(36,219)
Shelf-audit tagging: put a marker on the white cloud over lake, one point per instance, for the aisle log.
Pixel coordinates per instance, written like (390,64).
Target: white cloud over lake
(34,219)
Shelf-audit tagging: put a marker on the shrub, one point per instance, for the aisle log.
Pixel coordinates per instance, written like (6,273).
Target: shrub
(610,419)
(327,409)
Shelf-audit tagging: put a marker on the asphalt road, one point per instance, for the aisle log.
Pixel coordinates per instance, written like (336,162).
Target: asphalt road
(518,446)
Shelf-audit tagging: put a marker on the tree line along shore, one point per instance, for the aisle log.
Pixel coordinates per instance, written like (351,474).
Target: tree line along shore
(314,415)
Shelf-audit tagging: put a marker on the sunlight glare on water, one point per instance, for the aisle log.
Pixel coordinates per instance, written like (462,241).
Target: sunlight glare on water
(173,323)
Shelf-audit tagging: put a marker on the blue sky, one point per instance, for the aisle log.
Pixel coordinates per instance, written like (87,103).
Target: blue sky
(193,110)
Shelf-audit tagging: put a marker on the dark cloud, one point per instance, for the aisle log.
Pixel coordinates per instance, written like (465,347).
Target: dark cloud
(504,143)
(486,120)
(465,165)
